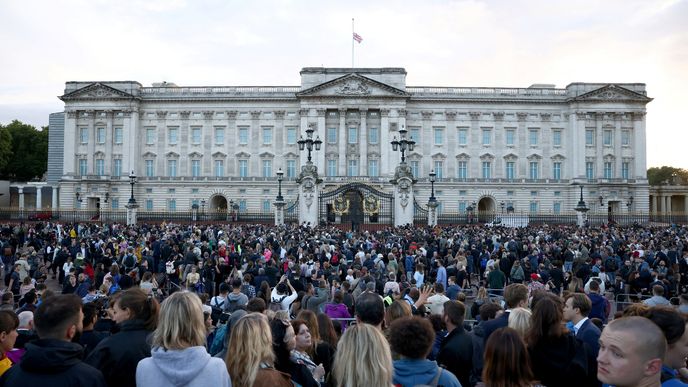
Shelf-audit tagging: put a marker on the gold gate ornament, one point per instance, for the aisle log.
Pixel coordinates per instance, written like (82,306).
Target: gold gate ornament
(371,205)
(341,206)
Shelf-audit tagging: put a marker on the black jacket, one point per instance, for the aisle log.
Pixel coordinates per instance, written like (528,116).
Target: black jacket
(564,362)
(456,355)
(118,355)
(53,363)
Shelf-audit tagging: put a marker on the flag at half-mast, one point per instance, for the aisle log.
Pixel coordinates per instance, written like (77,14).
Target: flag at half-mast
(358,38)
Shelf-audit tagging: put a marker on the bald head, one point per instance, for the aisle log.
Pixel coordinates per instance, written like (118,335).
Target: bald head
(652,346)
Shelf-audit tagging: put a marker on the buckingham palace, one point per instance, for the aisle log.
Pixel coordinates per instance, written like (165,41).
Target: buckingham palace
(525,149)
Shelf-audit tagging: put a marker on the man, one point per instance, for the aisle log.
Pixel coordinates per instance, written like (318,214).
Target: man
(625,361)
(496,279)
(25,331)
(453,289)
(657,298)
(54,360)
(370,309)
(576,310)
(89,337)
(318,298)
(456,350)
(515,296)
(436,301)
(236,298)
(279,298)
(600,305)
(441,273)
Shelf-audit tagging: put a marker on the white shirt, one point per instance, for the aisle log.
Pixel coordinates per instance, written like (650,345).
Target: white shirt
(579,325)
(436,304)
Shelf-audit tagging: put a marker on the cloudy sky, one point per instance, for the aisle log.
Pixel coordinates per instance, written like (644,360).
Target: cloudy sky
(503,43)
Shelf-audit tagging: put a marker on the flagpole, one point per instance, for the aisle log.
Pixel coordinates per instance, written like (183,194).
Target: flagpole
(352,43)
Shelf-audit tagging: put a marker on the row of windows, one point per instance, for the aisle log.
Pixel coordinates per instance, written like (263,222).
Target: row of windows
(353,169)
(607,137)
(101,135)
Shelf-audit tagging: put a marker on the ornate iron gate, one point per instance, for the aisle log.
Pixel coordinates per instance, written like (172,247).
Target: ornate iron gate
(420,214)
(357,204)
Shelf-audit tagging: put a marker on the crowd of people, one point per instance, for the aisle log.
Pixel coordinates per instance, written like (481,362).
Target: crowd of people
(256,305)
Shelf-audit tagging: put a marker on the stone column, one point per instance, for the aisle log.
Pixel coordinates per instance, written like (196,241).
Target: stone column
(132,210)
(342,140)
(54,198)
(70,130)
(599,148)
(363,143)
(577,120)
(685,205)
(39,197)
(20,190)
(639,145)
(668,204)
(321,131)
(384,142)
(302,132)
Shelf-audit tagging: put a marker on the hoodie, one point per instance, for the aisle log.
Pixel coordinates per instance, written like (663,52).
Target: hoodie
(190,367)
(55,363)
(337,311)
(412,372)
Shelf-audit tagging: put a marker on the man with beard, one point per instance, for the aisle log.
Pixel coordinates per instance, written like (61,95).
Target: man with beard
(55,359)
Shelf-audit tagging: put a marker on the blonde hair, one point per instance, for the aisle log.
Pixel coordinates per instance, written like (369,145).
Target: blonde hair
(363,358)
(250,343)
(398,309)
(181,324)
(519,320)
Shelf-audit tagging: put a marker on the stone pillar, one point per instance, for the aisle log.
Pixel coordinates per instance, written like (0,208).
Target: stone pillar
(39,197)
(639,146)
(279,212)
(403,195)
(660,208)
(581,217)
(70,129)
(54,198)
(132,210)
(363,143)
(577,120)
(342,140)
(668,204)
(20,190)
(685,205)
(385,170)
(309,195)
(432,213)
(321,132)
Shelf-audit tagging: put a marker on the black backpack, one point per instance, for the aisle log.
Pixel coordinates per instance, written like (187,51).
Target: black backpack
(216,312)
(276,305)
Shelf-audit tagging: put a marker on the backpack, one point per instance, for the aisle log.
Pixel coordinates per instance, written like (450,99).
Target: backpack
(219,340)
(276,306)
(217,311)
(232,306)
(610,264)
(129,262)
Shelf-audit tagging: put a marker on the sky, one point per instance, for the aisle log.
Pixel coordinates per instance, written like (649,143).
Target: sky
(501,43)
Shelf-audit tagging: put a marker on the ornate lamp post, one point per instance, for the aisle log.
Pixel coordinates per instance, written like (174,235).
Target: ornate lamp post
(501,205)
(432,202)
(629,203)
(403,144)
(131,205)
(581,208)
(432,175)
(279,201)
(309,143)
(280,176)
(132,181)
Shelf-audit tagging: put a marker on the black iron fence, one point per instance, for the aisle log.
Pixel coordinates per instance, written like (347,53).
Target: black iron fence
(120,216)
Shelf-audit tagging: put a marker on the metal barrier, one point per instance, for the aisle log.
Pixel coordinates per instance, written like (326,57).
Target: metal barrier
(622,300)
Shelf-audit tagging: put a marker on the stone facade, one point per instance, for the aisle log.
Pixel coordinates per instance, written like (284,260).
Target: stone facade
(495,147)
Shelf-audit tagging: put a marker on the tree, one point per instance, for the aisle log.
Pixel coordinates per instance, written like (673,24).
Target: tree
(29,152)
(663,175)
(5,147)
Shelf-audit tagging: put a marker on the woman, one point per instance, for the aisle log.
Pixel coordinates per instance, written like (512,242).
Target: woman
(558,358)
(327,331)
(304,345)
(337,309)
(480,299)
(516,275)
(507,363)
(250,359)
(193,280)
(398,309)
(519,320)
(283,341)
(148,282)
(412,339)
(321,352)
(136,315)
(8,335)
(363,358)
(179,356)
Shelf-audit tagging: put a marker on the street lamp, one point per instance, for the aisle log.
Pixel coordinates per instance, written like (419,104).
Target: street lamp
(432,185)
(280,176)
(601,201)
(309,143)
(581,206)
(402,144)
(501,205)
(78,197)
(629,203)
(132,181)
